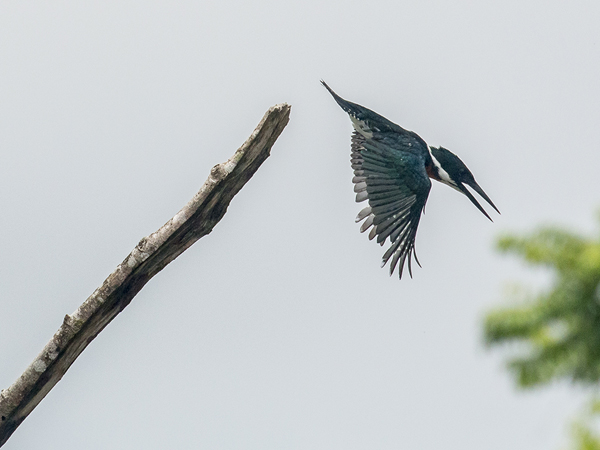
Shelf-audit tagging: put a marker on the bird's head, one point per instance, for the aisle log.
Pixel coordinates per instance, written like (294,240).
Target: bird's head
(453,172)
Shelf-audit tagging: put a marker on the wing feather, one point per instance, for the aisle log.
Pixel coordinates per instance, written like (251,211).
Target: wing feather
(395,183)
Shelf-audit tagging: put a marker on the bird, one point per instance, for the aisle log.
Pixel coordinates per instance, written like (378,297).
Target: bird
(392,171)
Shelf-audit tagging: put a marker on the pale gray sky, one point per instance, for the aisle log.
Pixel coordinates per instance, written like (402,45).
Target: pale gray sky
(279,330)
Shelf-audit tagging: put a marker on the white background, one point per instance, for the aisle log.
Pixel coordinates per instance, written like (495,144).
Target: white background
(279,330)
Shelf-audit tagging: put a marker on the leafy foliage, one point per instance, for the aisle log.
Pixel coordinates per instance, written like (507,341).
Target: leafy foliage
(584,438)
(560,327)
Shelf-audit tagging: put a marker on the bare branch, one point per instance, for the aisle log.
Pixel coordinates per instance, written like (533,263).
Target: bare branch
(149,257)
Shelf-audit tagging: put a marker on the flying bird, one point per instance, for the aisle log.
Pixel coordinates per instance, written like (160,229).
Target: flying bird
(392,167)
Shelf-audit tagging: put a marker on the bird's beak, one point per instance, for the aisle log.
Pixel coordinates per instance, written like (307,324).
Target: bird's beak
(477,189)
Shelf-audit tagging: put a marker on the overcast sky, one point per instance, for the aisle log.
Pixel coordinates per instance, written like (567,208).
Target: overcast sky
(279,330)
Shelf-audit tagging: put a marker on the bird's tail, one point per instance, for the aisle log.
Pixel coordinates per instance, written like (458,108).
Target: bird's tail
(351,108)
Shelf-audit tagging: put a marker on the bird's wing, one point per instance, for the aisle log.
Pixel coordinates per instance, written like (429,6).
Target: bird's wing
(394,181)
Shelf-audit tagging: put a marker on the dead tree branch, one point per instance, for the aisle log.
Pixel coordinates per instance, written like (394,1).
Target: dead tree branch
(149,257)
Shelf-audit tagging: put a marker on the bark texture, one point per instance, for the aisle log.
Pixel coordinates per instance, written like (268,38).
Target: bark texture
(149,257)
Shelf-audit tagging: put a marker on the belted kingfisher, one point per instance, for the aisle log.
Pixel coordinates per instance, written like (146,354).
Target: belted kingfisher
(392,167)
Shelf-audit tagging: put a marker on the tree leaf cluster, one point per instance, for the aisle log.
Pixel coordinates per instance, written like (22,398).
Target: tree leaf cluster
(557,330)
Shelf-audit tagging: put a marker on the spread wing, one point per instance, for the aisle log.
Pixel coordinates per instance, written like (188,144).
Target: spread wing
(394,181)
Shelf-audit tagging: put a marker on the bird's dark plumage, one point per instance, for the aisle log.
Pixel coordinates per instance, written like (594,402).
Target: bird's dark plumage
(392,170)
